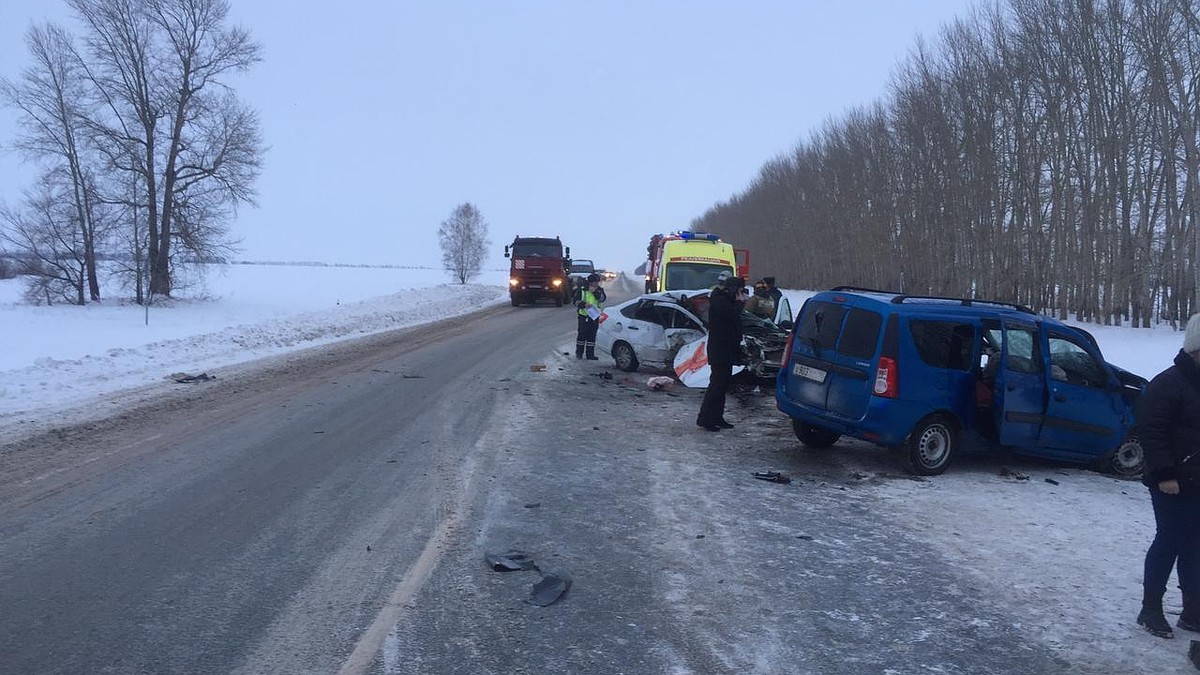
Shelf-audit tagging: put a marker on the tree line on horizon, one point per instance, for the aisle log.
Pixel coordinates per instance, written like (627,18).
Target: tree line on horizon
(1042,152)
(144,148)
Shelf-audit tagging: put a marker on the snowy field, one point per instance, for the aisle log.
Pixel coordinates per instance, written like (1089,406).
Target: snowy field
(1066,556)
(62,364)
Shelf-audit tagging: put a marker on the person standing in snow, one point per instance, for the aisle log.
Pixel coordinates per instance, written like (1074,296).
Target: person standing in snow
(724,345)
(1169,429)
(589,300)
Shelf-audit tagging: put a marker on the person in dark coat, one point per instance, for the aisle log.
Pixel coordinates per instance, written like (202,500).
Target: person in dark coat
(772,290)
(724,345)
(1168,423)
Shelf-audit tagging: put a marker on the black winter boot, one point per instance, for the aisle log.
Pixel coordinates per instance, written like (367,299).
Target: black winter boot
(1151,617)
(1189,619)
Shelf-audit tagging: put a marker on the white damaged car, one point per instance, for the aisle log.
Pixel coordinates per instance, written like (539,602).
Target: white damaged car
(649,330)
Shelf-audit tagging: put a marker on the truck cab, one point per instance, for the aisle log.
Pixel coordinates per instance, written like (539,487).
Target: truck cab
(538,270)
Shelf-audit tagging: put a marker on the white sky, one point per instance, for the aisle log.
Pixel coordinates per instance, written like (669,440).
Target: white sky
(600,122)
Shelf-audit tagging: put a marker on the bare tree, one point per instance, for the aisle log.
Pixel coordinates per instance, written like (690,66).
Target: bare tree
(49,241)
(1047,152)
(157,67)
(464,240)
(49,96)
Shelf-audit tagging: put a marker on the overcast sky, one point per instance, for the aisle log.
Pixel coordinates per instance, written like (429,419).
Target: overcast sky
(601,122)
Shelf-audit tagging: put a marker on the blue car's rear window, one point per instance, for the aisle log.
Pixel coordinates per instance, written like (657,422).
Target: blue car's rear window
(820,323)
(861,334)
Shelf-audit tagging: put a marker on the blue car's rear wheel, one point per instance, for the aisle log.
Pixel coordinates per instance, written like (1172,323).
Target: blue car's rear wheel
(931,445)
(813,436)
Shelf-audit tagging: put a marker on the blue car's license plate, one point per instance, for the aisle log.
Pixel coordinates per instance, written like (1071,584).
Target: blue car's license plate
(808,372)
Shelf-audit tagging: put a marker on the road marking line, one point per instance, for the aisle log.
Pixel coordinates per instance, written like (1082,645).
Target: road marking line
(372,640)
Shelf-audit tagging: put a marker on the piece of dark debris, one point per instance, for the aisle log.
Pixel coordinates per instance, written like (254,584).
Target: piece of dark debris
(805,537)
(1006,472)
(511,560)
(188,378)
(533,505)
(548,591)
(772,476)
(411,376)
(1051,481)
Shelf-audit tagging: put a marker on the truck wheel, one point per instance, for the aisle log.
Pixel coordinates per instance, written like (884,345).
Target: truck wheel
(812,436)
(516,300)
(623,354)
(931,445)
(558,301)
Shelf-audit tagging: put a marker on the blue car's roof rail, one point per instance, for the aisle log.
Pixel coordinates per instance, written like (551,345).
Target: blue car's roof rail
(900,298)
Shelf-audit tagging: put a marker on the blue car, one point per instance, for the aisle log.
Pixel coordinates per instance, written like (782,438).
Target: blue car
(935,376)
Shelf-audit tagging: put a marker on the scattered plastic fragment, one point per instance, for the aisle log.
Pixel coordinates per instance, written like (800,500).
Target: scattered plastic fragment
(511,561)
(772,476)
(604,376)
(537,368)
(1051,481)
(533,505)
(547,591)
(659,382)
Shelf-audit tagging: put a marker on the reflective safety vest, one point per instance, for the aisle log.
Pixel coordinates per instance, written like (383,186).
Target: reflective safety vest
(587,297)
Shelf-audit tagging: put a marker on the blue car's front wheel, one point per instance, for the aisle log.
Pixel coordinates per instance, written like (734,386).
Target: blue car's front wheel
(1127,460)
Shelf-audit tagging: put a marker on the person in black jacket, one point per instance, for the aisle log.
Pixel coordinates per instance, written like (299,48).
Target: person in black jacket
(772,290)
(1169,428)
(724,344)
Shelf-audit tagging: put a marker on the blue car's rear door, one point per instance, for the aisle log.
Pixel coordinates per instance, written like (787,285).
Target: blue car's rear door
(817,329)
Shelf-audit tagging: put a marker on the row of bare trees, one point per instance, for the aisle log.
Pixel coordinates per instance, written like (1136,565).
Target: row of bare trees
(144,148)
(1040,151)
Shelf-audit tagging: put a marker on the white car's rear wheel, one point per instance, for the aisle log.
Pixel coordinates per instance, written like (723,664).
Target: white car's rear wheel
(623,354)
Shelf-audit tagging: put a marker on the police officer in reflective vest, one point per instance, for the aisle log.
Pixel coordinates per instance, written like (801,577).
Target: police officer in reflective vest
(589,300)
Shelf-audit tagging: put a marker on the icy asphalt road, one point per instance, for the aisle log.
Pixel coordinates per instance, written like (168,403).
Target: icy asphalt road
(682,561)
(332,513)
